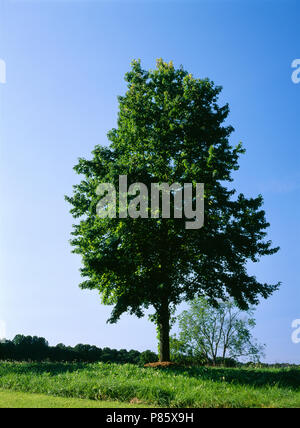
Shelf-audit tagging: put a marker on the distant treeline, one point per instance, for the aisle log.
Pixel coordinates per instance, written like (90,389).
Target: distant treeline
(28,348)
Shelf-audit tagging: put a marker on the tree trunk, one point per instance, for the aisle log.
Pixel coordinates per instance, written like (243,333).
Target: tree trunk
(164,332)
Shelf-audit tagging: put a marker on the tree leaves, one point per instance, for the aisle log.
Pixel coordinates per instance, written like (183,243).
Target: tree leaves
(170,129)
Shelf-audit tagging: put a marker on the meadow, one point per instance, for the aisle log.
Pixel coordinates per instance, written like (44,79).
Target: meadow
(20,400)
(160,387)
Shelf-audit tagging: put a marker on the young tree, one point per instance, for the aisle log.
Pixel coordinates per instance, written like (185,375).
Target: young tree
(170,129)
(217,333)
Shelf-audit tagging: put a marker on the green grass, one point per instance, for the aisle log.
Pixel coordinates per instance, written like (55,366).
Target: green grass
(20,400)
(171,387)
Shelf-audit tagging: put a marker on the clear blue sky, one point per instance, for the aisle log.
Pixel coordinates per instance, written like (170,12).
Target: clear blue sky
(65,66)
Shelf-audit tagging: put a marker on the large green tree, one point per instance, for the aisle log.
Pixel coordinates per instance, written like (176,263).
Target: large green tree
(170,129)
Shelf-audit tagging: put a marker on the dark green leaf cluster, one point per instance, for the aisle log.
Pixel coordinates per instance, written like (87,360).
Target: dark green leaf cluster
(28,348)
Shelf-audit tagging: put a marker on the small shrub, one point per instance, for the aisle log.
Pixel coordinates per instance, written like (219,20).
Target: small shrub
(148,357)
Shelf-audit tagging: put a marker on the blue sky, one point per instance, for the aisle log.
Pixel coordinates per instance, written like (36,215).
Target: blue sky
(65,66)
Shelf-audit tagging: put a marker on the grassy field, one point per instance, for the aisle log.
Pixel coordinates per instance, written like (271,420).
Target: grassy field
(171,387)
(19,400)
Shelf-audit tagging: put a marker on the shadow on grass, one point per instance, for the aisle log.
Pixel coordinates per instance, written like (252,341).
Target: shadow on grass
(283,378)
(255,377)
(45,367)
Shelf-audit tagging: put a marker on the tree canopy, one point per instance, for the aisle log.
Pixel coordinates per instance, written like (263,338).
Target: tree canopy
(170,129)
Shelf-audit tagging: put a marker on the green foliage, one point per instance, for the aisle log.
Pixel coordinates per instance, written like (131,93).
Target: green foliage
(148,357)
(27,348)
(179,387)
(217,335)
(170,129)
